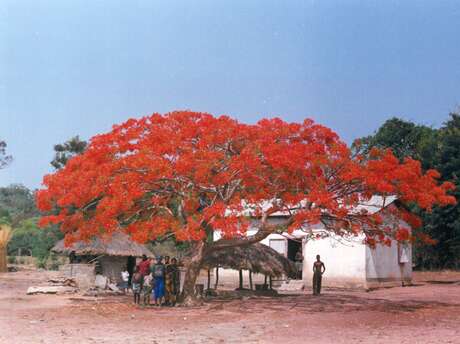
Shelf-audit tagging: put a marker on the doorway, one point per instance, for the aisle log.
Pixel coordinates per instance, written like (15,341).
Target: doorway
(294,254)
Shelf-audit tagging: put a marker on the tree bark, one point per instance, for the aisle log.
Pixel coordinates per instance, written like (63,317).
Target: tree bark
(250,279)
(188,296)
(217,278)
(241,279)
(209,279)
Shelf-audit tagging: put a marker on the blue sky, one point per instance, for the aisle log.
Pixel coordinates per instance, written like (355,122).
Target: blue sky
(77,67)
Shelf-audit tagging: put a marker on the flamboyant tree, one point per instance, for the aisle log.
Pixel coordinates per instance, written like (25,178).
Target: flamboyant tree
(190,174)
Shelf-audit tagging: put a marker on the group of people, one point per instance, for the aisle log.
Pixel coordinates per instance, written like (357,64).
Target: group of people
(156,278)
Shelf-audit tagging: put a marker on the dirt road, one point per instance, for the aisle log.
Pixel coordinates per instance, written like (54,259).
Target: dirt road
(426,313)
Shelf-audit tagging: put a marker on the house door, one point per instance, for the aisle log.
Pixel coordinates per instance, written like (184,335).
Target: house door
(294,248)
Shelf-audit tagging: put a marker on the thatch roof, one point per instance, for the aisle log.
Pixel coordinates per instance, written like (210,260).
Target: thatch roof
(119,244)
(258,258)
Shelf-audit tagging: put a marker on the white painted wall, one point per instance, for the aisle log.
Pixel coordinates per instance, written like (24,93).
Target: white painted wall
(383,267)
(344,260)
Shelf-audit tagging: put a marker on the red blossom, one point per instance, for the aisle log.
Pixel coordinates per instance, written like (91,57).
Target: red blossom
(188,173)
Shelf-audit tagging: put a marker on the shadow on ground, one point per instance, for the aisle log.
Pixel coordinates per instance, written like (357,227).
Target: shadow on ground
(342,303)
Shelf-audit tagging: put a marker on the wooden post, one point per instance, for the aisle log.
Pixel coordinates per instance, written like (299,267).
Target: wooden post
(265,281)
(241,278)
(271,283)
(217,278)
(3,260)
(209,278)
(250,279)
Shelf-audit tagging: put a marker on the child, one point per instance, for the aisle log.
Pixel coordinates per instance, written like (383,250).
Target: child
(124,279)
(147,289)
(137,282)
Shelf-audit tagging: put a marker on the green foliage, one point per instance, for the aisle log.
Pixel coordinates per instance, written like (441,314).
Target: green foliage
(16,204)
(435,148)
(28,237)
(11,260)
(67,150)
(404,138)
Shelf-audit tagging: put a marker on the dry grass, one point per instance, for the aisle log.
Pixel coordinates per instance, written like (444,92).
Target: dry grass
(5,235)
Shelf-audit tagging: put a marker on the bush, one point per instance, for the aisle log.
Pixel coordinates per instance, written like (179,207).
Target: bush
(11,260)
(27,237)
(41,263)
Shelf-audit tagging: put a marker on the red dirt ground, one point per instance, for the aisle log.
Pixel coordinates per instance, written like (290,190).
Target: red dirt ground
(428,312)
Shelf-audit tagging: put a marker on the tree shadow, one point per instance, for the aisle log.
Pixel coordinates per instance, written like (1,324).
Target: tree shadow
(341,303)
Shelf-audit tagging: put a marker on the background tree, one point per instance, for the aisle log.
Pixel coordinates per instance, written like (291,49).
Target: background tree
(404,138)
(31,240)
(4,158)
(18,210)
(191,175)
(67,150)
(17,203)
(439,149)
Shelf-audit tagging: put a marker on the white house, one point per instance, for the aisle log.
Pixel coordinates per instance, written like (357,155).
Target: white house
(349,262)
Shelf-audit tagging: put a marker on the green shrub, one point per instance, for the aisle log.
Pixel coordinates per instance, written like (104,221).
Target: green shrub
(41,263)
(11,260)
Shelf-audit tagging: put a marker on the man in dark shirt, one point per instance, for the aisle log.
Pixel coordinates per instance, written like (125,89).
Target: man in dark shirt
(318,270)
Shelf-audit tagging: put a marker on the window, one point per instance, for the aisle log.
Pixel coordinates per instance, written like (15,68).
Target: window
(279,245)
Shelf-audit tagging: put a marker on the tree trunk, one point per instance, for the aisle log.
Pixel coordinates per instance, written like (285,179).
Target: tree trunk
(188,296)
(3,262)
(217,278)
(241,279)
(250,279)
(209,279)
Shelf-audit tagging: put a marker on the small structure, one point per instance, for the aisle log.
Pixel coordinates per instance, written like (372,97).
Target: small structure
(106,257)
(257,258)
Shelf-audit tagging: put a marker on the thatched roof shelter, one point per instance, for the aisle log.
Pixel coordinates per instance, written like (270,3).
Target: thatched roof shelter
(119,244)
(258,258)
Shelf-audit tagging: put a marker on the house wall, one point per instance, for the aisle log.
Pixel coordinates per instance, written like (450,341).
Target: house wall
(344,259)
(383,266)
(112,266)
(82,273)
(229,279)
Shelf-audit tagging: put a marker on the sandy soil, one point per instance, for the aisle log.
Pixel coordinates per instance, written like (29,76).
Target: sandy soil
(428,312)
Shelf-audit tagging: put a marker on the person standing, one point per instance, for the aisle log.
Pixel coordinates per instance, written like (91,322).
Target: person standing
(137,284)
(124,281)
(167,281)
(172,282)
(144,266)
(147,289)
(158,272)
(299,264)
(318,270)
